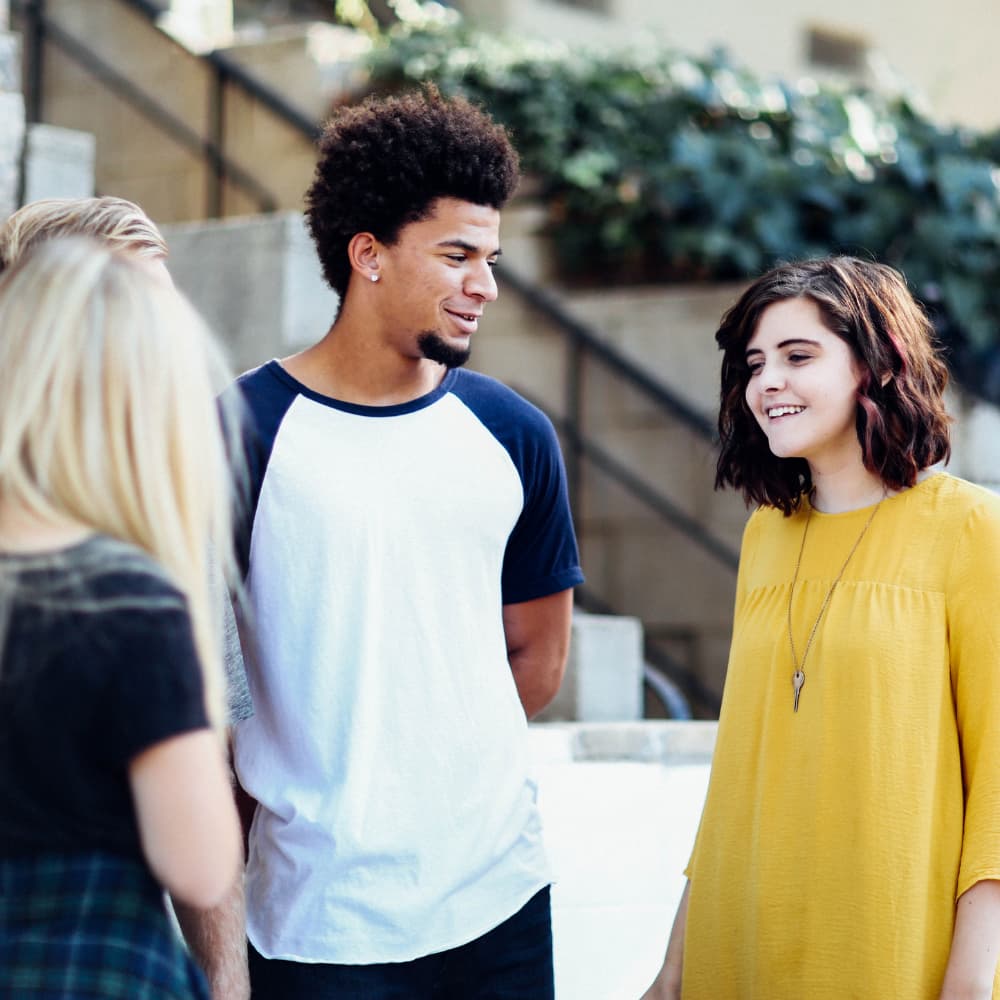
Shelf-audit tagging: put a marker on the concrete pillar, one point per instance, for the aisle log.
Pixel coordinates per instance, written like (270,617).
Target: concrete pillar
(10,59)
(58,163)
(975,439)
(603,681)
(11,115)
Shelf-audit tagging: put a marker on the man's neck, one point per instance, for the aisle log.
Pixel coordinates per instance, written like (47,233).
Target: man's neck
(346,365)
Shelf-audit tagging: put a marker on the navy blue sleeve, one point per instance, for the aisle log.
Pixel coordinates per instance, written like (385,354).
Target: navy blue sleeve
(265,398)
(541,556)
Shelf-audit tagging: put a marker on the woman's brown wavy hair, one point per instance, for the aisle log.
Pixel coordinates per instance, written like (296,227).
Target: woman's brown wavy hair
(902,424)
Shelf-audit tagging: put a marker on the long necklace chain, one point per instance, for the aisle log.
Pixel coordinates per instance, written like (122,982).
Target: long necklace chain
(799,672)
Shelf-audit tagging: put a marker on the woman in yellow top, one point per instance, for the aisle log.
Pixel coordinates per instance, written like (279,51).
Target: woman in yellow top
(850,841)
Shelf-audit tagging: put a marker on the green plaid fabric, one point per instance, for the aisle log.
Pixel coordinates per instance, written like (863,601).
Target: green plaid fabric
(77,927)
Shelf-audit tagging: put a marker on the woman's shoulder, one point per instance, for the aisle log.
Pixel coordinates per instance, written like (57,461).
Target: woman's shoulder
(100,573)
(949,498)
(121,571)
(765,519)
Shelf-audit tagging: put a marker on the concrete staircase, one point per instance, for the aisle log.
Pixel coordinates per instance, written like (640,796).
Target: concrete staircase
(256,279)
(180,133)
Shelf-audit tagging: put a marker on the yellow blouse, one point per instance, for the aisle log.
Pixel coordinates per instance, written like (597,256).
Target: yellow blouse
(835,840)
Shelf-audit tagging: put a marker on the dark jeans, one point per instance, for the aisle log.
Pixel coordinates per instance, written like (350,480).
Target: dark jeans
(511,962)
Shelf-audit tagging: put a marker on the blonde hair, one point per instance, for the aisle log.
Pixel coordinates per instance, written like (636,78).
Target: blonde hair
(108,416)
(117,223)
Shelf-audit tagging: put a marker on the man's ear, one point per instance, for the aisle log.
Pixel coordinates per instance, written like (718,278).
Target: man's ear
(364,253)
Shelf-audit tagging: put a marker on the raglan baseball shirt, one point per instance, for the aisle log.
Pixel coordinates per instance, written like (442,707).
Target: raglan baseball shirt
(388,745)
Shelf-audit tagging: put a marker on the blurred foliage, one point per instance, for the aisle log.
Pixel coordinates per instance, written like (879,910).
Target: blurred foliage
(657,166)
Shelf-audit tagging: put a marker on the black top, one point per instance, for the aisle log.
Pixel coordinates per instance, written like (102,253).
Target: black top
(98,664)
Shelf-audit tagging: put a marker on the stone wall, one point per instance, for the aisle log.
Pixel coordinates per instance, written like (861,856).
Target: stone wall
(256,280)
(975,439)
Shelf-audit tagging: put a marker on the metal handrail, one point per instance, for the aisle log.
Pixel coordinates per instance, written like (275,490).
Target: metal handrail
(583,335)
(232,70)
(648,494)
(147,106)
(43,28)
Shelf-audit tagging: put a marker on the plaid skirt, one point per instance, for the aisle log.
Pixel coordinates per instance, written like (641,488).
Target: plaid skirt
(90,925)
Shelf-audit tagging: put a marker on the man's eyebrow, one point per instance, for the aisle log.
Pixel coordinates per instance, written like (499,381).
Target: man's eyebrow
(467,247)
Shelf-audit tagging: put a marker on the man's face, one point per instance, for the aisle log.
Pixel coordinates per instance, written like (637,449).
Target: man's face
(436,280)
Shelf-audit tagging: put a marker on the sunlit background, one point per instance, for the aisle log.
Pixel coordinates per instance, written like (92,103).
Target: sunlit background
(670,153)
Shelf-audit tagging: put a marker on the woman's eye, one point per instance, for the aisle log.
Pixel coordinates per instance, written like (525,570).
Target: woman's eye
(796,358)
(755,367)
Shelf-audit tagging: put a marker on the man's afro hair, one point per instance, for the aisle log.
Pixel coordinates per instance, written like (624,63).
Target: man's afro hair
(383,163)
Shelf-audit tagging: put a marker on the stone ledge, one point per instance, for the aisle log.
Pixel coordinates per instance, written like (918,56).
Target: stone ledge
(644,742)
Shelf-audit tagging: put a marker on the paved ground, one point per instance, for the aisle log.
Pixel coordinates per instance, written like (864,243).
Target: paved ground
(618,833)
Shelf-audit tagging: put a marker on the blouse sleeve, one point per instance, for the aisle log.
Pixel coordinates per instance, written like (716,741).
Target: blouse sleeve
(974,638)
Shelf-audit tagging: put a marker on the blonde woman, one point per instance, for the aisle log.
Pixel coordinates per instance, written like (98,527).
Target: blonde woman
(118,224)
(113,489)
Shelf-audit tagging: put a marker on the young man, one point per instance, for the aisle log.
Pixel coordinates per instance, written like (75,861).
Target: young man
(410,569)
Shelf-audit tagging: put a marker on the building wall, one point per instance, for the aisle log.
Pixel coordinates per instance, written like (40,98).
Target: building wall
(140,159)
(946,51)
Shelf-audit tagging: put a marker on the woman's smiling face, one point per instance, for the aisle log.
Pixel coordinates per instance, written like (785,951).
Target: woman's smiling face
(803,386)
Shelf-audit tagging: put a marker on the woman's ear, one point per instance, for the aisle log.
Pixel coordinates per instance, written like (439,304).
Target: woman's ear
(885,379)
